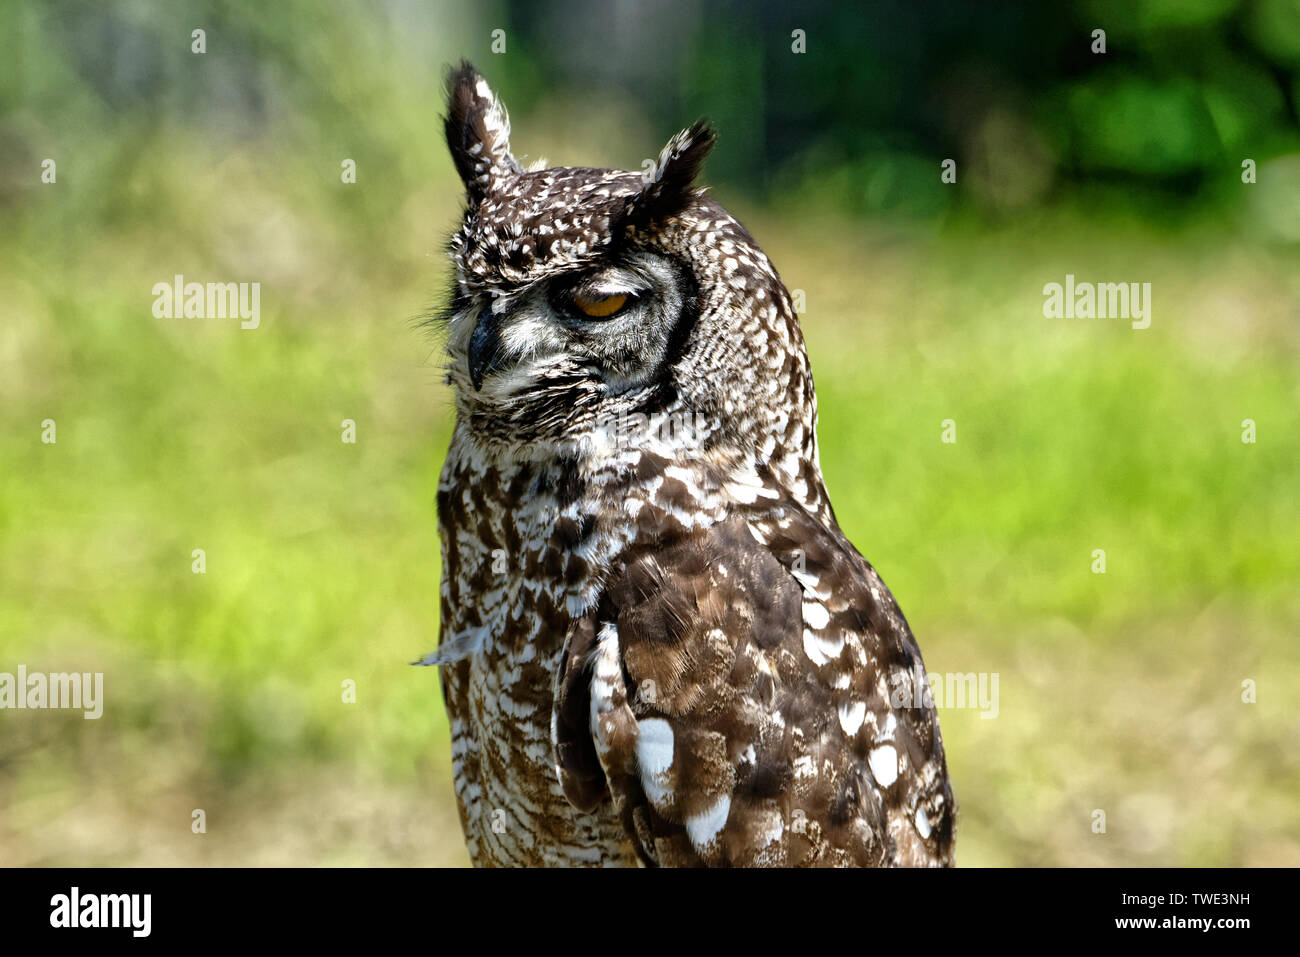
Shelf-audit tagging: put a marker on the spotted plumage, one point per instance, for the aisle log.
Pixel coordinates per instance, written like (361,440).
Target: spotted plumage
(657,645)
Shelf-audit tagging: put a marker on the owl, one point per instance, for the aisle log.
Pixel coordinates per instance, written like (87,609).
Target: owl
(657,646)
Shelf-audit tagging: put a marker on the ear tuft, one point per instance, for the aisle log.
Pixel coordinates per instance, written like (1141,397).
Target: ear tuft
(669,185)
(478,131)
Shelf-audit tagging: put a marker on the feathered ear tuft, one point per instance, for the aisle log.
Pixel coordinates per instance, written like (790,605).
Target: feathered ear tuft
(669,185)
(478,131)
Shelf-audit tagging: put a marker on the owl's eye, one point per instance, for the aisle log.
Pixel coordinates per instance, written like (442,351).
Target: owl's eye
(598,307)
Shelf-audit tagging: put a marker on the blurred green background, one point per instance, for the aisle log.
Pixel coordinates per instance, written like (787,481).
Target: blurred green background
(1120,692)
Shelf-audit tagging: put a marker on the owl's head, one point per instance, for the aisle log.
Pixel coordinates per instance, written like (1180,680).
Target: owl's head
(585,296)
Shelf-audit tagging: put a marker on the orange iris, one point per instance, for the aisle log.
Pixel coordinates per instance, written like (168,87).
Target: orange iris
(599,307)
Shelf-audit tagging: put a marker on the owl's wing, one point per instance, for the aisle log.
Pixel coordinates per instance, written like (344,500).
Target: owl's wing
(749,694)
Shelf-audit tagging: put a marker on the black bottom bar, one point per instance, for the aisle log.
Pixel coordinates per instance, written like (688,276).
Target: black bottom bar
(332,907)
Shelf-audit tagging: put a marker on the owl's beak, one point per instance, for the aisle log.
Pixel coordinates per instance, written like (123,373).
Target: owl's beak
(486,349)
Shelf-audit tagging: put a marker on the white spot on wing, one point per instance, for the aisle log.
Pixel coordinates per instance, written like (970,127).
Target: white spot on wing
(852,714)
(815,615)
(807,579)
(884,765)
(922,823)
(654,756)
(704,827)
(821,650)
(654,746)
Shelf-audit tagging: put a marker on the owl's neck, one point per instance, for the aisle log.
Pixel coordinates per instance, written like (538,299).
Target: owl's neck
(633,457)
